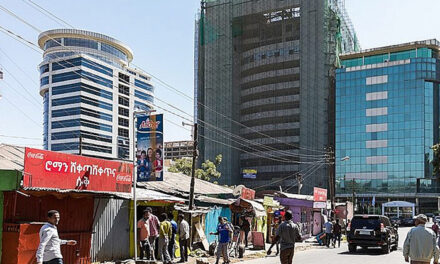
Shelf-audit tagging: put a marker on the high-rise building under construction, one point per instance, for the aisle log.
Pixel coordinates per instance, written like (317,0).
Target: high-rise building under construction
(265,88)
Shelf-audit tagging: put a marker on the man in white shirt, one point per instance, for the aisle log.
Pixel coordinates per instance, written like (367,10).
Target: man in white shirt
(49,250)
(420,245)
(183,231)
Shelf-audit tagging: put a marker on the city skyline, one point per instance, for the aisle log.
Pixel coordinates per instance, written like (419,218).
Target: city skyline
(165,49)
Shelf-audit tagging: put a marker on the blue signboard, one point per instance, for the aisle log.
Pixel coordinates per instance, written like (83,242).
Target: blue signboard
(249,174)
(149,148)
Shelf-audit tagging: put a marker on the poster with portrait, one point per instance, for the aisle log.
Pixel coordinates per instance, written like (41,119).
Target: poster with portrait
(149,148)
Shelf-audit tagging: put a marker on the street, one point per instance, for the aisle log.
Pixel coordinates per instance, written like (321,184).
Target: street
(342,256)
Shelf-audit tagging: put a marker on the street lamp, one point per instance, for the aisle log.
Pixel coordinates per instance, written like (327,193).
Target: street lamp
(136,112)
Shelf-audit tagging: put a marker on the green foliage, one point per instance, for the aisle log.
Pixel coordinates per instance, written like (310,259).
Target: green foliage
(436,159)
(207,172)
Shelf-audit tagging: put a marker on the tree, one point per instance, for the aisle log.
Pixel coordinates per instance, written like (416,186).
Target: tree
(207,171)
(436,159)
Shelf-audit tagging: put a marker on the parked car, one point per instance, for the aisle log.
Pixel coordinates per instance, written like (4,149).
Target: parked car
(437,219)
(372,231)
(408,222)
(430,215)
(396,220)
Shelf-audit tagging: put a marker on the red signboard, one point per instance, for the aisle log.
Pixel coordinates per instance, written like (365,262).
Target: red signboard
(319,194)
(247,193)
(48,169)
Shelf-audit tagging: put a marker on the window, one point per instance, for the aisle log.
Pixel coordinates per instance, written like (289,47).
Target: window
(123,132)
(123,122)
(44,68)
(76,87)
(124,101)
(65,146)
(113,51)
(124,89)
(143,85)
(44,81)
(81,99)
(77,42)
(67,76)
(97,148)
(124,78)
(123,111)
(81,122)
(52,43)
(141,106)
(143,96)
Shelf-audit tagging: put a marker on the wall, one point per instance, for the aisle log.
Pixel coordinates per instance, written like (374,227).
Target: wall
(211,221)
(110,237)
(76,218)
(9,180)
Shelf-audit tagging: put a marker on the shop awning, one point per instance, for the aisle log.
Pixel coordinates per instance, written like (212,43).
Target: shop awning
(256,206)
(150,195)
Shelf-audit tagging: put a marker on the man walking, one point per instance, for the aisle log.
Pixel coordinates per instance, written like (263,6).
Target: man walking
(143,229)
(420,245)
(49,250)
(287,233)
(173,235)
(337,230)
(164,238)
(328,232)
(183,231)
(153,224)
(435,228)
(223,240)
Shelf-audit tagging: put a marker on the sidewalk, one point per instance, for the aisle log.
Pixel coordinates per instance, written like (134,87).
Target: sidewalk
(249,254)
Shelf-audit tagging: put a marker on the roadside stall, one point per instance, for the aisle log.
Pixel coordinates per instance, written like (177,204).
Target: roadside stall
(69,184)
(302,209)
(256,214)
(272,208)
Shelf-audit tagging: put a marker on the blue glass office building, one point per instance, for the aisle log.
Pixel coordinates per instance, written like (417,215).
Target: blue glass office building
(387,119)
(89,92)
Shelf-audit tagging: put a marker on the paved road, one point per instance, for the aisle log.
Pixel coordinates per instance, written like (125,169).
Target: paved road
(342,256)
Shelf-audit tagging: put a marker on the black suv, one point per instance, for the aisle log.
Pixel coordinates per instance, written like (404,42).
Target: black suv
(372,231)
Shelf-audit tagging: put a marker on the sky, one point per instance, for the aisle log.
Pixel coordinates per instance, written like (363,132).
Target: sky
(161,35)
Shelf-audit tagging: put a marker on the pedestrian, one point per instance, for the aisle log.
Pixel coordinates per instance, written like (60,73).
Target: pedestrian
(49,249)
(183,231)
(153,224)
(420,244)
(275,242)
(223,231)
(143,231)
(287,233)
(246,227)
(165,234)
(435,228)
(337,230)
(328,232)
(172,242)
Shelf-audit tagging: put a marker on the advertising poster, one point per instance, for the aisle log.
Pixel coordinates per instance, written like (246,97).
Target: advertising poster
(50,169)
(249,174)
(319,194)
(149,148)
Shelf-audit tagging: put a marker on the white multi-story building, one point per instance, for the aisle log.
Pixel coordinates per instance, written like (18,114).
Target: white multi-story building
(89,93)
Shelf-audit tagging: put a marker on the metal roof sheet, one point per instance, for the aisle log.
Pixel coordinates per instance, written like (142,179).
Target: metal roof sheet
(178,183)
(11,157)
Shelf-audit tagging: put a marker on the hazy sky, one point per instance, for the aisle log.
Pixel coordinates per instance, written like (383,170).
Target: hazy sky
(161,35)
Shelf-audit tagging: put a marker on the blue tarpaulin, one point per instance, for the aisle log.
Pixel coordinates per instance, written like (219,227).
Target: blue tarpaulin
(211,221)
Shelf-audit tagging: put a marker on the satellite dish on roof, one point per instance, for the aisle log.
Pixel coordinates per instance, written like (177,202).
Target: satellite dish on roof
(237,190)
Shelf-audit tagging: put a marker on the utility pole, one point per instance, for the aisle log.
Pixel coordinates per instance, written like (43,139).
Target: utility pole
(353,198)
(193,170)
(331,175)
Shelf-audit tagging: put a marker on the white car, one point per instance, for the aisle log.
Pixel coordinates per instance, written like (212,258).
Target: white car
(437,219)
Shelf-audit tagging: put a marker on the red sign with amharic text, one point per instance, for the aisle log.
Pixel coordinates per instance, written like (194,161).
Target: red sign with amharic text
(49,169)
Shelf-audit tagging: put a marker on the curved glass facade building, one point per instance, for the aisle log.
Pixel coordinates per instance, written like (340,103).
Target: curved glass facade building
(387,119)
(89,93)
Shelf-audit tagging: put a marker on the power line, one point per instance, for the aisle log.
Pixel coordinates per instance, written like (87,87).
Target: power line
(43,11)
(18,108)
(156,97)
(167,85)
(29,138)
(20,39)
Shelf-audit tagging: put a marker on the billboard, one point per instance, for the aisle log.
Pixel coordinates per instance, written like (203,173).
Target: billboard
(149,148)
(249,174)
(49,169)
(247,193)
(319,194)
